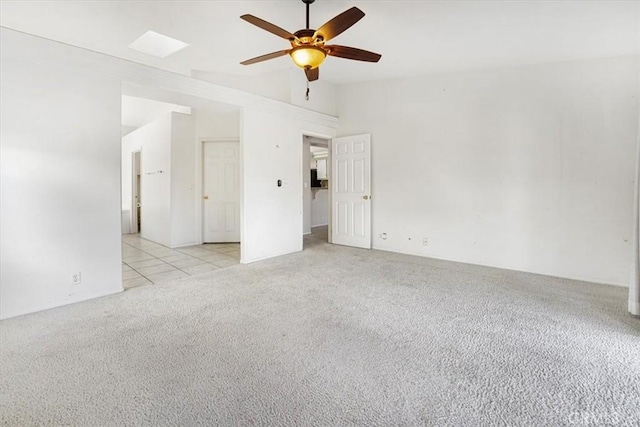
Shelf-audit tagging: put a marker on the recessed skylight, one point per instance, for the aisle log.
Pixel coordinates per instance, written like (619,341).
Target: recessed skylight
(156,44)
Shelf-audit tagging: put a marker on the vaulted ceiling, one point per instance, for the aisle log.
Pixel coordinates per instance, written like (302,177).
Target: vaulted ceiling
(414,37)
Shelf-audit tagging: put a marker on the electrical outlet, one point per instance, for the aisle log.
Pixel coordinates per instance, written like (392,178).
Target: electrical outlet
(425,241)
(76,278)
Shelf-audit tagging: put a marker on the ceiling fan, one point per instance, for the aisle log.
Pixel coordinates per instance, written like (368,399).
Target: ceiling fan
(308,49)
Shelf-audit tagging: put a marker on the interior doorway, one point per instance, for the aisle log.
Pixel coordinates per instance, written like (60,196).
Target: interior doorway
(136,192)
(337,190)
(162,190)
(221,192)
(316,166)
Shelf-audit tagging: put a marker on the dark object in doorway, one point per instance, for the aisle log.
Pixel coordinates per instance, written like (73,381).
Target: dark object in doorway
(315,182)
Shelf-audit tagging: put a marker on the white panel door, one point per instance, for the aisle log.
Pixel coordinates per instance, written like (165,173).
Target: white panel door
(221,204)
(351,191)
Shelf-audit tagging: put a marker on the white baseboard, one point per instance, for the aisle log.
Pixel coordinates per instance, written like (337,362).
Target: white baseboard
(502,267)
(182,245)
(634,308)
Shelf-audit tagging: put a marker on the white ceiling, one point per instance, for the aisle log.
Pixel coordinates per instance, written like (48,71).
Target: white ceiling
(414,37)
(137,112)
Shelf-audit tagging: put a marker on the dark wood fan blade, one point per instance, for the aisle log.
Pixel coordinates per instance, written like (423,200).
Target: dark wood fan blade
(339,24)
(312,75)
(352,53)
(268,26)
(265,57)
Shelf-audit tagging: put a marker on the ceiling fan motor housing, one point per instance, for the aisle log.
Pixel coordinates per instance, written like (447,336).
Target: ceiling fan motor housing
(306,36)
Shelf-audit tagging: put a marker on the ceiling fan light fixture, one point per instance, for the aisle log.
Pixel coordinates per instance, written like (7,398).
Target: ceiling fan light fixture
(308,57)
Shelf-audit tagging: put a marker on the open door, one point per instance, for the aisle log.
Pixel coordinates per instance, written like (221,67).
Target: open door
(351,191)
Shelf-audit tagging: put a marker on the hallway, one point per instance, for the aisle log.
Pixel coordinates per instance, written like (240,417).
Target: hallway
(318,236)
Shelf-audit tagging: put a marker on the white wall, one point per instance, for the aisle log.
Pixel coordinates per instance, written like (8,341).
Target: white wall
(285,85)
(216,124)
(322,94)
(274,85)
(183,180)
(60,185)
(526,168)
(168,212)
(154,142)
(137,112)
(320,207)
(272,216)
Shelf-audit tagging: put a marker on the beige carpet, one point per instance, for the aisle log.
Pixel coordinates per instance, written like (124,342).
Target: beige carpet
(330,336)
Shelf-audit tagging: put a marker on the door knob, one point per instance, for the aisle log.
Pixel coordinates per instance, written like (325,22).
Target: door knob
(365,197)
(206,197)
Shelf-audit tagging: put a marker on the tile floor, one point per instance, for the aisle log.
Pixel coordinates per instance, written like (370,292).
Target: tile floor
(145,262)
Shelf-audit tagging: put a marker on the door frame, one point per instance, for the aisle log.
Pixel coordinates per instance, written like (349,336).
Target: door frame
(135,226)
(303,173)
(200,183)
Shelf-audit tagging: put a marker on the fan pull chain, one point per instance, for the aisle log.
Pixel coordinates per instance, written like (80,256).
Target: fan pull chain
(307,94)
